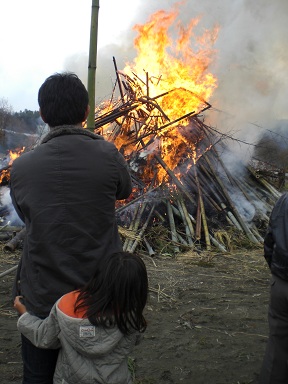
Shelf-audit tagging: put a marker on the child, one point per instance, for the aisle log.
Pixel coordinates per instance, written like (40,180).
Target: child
(96,326)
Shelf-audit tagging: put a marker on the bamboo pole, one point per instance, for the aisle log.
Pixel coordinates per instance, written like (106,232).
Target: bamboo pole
(240,186)
(92,64)
(198,221)
(265,183)
(249,234)
(202,211)
(187,215)
(12,269)
(149,191)
(217,244)
(181,240)
(186,220)
(143,229)
(177,182)
(134,225)
(179,215)
(172,225)
(258,197)
(149,248)
(10,228)
(118,79)
(257,234)
(219,205)
(131,227)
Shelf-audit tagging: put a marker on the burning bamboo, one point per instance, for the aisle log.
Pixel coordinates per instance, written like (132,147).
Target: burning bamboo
(181,187)
(139,198)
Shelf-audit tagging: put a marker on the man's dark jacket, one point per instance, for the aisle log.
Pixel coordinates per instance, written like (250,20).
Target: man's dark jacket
(65,192)
(276,239)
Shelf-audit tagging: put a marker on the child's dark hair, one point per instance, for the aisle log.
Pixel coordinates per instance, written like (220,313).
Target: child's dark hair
(117,293)
(63,99)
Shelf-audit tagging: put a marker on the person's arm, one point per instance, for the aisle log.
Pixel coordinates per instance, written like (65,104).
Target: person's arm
(276,228)
(19,305)
(124,187)
(13,199)
(43,333)
(268,246)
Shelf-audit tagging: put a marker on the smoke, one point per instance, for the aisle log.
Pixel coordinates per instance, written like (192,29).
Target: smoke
(252,70)
(250,63)
(12,218)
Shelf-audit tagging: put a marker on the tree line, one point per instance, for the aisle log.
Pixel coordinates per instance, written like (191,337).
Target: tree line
(17,128)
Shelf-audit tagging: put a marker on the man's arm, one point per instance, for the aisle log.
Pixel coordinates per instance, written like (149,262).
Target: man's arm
(124,187)
(275,224)
(268,246)
(13,199)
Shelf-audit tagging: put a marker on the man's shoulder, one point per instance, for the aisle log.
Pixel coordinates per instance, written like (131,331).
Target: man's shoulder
(30,154)
(26,156)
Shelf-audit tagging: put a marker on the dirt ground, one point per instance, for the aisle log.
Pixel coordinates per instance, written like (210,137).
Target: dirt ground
(207,320)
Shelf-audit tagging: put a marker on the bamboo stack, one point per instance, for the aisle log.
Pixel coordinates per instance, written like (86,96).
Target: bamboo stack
(195,206)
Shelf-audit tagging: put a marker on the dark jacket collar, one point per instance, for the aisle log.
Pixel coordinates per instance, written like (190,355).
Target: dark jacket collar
(69,130)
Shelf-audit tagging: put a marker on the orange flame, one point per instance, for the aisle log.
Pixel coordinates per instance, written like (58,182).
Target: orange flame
(170,73)
(174,66)
(12,154)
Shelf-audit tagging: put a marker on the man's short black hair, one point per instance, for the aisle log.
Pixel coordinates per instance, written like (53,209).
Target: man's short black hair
(63,99)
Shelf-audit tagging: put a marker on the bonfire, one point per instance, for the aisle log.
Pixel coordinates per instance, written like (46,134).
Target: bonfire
(185,195)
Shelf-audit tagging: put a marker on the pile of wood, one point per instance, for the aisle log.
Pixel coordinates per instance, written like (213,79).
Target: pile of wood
(275,175)
(201,203)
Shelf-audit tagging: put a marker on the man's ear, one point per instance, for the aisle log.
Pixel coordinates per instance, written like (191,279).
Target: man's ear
(42,117)
(87,112)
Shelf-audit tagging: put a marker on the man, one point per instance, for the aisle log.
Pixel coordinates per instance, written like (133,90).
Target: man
(65,192)
(275,364)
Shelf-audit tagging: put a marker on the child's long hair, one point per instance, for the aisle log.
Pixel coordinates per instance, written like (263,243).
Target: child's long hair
(117,293)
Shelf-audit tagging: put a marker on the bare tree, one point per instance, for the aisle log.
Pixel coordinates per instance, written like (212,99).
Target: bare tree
(5,116)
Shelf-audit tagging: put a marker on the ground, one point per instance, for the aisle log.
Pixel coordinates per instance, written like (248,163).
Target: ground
(207,320)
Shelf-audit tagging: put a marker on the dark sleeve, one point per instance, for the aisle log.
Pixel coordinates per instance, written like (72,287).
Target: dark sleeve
(124,187)
(13,199)
(16,289)
(268,246)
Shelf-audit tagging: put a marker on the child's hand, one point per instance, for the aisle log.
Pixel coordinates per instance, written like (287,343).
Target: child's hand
(20,307)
